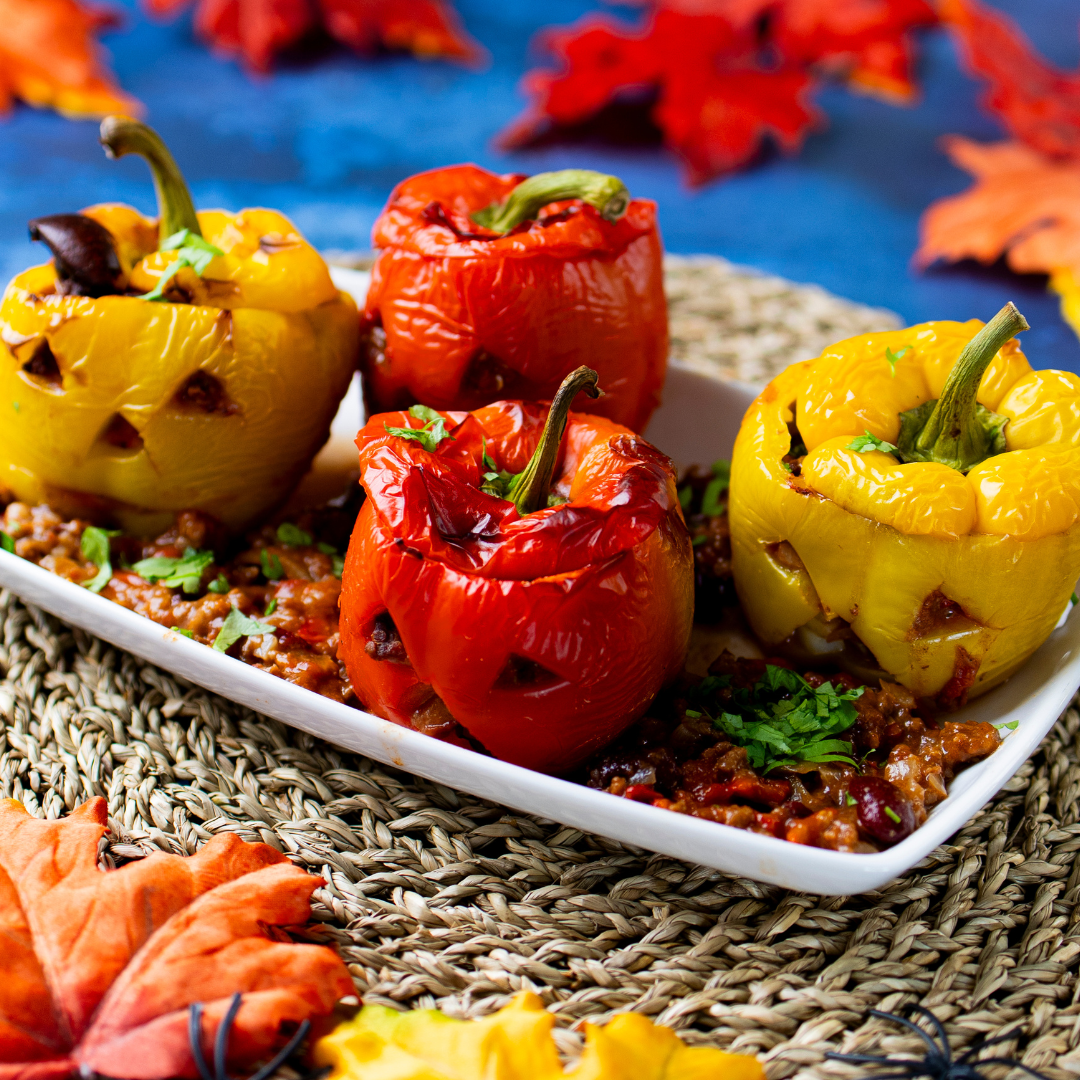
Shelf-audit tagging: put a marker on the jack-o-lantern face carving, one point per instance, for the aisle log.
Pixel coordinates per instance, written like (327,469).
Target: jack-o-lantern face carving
(214,397)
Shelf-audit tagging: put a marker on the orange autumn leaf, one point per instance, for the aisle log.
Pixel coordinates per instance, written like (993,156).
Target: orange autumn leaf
(1023,205)
(1035,101)
(257,29)
(100,968)
(49,58)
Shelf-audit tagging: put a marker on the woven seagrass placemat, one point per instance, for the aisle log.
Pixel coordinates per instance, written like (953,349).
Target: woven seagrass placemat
(437,898)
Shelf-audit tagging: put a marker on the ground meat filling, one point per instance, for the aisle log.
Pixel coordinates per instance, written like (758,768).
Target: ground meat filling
(682,762)
(293,587)
(714,587)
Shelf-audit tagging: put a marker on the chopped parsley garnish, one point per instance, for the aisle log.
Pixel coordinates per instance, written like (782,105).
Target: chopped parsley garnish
(183,573)
(699,540)
(271,566)
(711,506)
(236,626)
(7,543)
(326,549)
(497,482)
(339,566)
(686,495)
(271,607)
(95,548)
(181,630)
(1074,598)
(893,357)
(849,800)
(219,585)
(1012,725)
(191,250)
(864,444)
(892,815)
(782,719)
(292,535)
(430,435)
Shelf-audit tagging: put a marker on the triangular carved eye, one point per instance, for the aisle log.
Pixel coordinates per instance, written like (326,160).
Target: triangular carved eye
(940,615)
(120,433)
(42,364)
(521,672)
(204,393)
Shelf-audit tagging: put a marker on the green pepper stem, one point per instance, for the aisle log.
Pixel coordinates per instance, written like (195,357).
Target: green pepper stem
(953,434)
(532,486)
(122,135)
(607,193)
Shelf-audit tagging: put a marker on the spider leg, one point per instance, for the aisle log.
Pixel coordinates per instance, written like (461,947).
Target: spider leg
(922,1010)
(272,1066)
(221,1042)
(973,1050)
(195,1011)
(930,1044)
(869,1059)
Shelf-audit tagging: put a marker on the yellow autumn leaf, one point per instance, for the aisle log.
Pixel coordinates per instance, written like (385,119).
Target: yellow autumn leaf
(515,1044)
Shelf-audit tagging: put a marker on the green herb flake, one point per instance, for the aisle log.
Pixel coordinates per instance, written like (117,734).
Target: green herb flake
(783,720)
(181,630)
(95,548)
(686,495)
(1075,599)
(219,585)
(271,607)
(1012,725)
(15,406)
(339,566)
(271,566)
(849,800)
(699,540)
(430,435)
(892,815)
(183,573)
(893,357)
(711,506)
(326,549)
(236,626)
(787,466)
(864,444)
(7,543)
(191,250)
(293,536)
(691,712)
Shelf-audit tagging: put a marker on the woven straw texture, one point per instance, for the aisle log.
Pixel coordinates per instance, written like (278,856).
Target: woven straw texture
(434,897)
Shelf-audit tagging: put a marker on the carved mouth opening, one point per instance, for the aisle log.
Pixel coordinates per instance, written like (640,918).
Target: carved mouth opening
(204,393)
(522,673)
(783,554)
(384,642)
(940,616)
(487,375)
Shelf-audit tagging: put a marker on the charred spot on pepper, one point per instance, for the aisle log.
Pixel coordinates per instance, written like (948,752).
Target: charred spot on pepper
(521,673)
(42,365)
(204,393)
(84,254)
(384,642)
(120,433)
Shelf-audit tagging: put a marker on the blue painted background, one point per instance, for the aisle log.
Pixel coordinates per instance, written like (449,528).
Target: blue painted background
(325,141)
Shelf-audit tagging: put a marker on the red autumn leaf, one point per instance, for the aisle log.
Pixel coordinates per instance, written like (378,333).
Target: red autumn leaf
(727,73)
(49,58)
(101,967)
(1036,102)
(257,29)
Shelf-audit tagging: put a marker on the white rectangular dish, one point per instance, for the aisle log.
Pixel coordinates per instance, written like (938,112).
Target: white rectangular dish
(697,423)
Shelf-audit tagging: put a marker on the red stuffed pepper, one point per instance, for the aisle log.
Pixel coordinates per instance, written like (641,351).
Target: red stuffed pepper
(476,298)
(527,592)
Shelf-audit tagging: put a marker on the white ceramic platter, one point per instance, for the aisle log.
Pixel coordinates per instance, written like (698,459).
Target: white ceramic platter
(697,423)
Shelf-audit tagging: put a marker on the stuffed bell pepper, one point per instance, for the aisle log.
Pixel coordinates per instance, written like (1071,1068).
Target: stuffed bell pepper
(492,287)
(908,505)
(193,362)
(505,585)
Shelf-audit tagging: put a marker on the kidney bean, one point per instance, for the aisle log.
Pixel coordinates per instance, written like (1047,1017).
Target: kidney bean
(884,811)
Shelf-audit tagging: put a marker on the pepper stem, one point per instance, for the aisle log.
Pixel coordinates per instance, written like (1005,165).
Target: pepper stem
(122,135)
(532,486)
(607,193)
(955,430)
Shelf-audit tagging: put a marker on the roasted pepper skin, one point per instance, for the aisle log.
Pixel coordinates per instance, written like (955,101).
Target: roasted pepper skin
(458,319)
(543,636)
(269,341)
(951,581)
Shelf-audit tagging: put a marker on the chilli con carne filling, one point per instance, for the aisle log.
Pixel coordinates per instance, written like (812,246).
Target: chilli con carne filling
(704,747)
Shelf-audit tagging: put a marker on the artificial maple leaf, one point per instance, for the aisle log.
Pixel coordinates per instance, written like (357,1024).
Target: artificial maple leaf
(515,1043)
(101,967)
(727,73)
(49,58)
(257,29)
(1035,101)
(1023,205)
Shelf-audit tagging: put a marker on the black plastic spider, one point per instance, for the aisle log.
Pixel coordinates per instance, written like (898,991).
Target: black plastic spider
(221,1043)
(938,1064)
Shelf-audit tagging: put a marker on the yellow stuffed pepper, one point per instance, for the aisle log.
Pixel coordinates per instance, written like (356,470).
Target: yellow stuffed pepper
(908,505)
(194,362)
